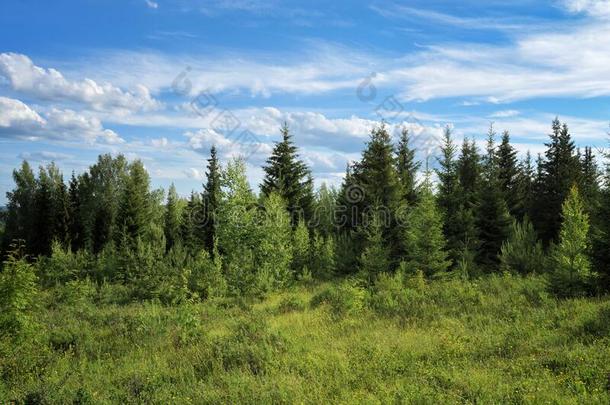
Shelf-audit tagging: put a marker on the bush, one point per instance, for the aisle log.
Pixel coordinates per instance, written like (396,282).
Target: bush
(207,278)
(347,298)
(63,265)
(76,293)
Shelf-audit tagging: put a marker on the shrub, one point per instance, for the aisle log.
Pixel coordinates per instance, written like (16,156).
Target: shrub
(207,278)
(347,298)
(322,256)
(76,293)
(18,290)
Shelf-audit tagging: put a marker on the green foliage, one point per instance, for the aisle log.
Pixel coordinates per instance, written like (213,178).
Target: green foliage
(424,239)
(173,216)
(208,279)
(274,252)
(522,253)
(571,273)
(322,256)
(63,265)
(211,200)
(135,206)
(347,298)
(288,176)
(300,248)
(18,294)
(375,259)
(407,167)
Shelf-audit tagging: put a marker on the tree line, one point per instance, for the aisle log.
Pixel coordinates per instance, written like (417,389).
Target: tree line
(486,211)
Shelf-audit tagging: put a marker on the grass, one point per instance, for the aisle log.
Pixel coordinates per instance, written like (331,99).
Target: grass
(501,339)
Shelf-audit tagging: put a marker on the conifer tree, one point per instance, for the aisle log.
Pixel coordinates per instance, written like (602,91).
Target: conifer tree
(172,220)
(589,181)
(287,175)
(522,253)
(325,209)
(134,209)
(189,223)
(20,209)
(375,258)
(508,174)
(601,232)
(571,274)
(376,175)
(449,193)
(524,189)
(211,199)
(75,225)
(425,242)
(558,172)
(493,218)
(407,168)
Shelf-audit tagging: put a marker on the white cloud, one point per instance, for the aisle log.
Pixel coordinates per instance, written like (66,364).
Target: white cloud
(49,84)
(17,120)
(505,114)
(44,156)
(152,4)
(596,8)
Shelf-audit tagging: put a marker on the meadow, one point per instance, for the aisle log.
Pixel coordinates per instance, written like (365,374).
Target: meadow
(496,339)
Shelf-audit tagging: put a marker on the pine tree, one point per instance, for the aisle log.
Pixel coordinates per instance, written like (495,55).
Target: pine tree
(522,253)
(211,200)
(134,209)
(172,220)
(425,242)
(493,218)
(508,174)
(571,275)
(407,168)
(289,177)
(558,172)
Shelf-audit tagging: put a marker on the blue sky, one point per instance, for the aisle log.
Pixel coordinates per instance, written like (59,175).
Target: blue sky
(156,79)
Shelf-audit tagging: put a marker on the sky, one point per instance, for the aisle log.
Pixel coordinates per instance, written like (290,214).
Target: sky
(163,81)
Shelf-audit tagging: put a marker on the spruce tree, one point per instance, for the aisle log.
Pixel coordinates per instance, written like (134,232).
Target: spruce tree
(493,218)
(75,225)
(211,199)
(589,181)
(559,170)
(375,258)
(325,208)
(425,242)
(376,175)
(522,253)
(601,232)
(407,168)
(449,194)
(288,176)
(190,222)
(508,174)
(172,219)
(524,186)
(571,273)
(134,209)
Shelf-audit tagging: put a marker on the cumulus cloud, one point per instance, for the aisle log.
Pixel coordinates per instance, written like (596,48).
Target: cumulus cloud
(49,84)
(18,120)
